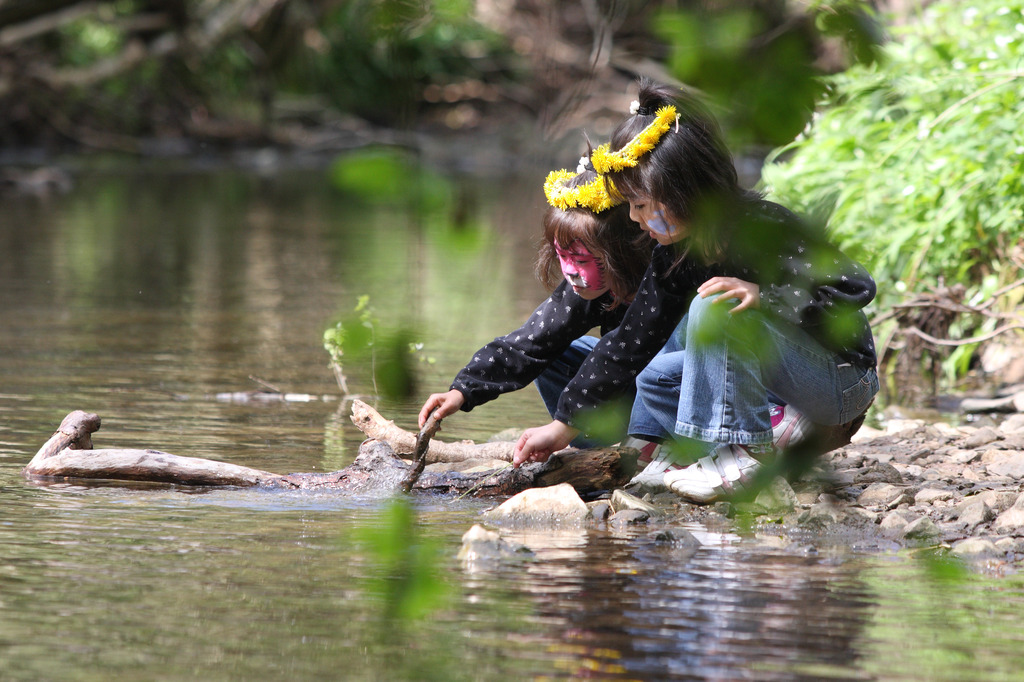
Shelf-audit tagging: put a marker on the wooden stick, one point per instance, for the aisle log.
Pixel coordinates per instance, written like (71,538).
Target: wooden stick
(419,456)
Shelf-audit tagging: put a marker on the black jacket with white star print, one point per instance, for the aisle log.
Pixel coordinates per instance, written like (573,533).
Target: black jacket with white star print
(802,279)
(511,362)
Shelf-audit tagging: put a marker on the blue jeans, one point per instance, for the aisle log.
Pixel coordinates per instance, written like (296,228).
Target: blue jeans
(559,373)
(717,377)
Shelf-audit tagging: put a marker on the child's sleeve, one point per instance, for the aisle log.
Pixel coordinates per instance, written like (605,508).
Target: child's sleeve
(511,362)
(815,285)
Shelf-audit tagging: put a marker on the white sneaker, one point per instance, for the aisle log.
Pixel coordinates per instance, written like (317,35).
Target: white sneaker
(789,426)
(726,470)
(654,459)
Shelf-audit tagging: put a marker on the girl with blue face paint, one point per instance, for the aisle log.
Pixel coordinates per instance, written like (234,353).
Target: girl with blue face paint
(651,217)
(747,330)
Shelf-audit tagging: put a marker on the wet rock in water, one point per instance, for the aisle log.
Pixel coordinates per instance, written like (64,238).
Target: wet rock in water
(1010,545)
(482,545)
(893,523)
(557,505)
(600,510)
(621,501)
(859,516)
(675,536)
(820,515)
(777,498)
(628,517)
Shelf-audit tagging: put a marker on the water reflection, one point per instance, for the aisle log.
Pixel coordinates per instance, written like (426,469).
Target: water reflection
(647,607)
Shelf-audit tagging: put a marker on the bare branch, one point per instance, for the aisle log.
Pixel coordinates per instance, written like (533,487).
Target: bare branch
(962,342)
(11,35)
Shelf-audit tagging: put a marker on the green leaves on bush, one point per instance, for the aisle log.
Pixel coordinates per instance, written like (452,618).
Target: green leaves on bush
(917,160)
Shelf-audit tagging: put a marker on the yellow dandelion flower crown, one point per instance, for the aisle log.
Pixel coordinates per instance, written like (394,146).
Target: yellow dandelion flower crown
(593,195)
(606,161)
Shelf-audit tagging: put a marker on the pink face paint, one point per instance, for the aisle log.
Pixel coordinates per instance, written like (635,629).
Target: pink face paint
(582,269)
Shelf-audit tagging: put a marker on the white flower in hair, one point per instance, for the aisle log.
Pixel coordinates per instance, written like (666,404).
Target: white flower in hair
(634,107)
(582,165)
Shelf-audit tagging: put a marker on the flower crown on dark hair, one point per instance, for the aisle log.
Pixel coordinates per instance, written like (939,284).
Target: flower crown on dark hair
(592,195)
(607,161)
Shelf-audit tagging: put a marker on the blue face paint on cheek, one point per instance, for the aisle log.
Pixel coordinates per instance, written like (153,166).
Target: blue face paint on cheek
(658,224)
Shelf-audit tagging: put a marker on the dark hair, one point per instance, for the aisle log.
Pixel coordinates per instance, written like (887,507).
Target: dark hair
(690,171)
(610,235)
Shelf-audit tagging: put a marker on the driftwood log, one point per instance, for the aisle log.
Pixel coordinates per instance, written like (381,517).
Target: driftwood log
(370,422)
(69,454)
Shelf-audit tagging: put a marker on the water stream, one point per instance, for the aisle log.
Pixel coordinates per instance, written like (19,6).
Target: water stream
(148,292)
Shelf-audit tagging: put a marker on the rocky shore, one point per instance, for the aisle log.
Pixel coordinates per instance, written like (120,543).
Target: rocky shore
(912,485)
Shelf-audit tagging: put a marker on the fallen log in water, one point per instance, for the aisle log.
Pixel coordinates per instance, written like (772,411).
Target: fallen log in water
(69,454)
(370,422)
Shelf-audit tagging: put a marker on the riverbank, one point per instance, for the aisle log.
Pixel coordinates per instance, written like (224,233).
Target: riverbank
(914,484)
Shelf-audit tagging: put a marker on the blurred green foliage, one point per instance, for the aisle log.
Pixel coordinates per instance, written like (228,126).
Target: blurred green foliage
(757,60)
(390,175)
(88,40)
(407,580)
(388,351)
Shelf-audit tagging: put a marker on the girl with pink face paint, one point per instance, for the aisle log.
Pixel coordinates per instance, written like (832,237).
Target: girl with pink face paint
(593,261)
(581,269)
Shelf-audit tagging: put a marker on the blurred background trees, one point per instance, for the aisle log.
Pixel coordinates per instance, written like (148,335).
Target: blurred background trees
(124,74)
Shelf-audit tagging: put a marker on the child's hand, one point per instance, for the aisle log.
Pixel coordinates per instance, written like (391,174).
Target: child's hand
(446,404)
(536,445)
(747,293)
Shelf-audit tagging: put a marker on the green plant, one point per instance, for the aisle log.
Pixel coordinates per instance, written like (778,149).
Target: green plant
(408,579)
(388,351)
(916,160)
